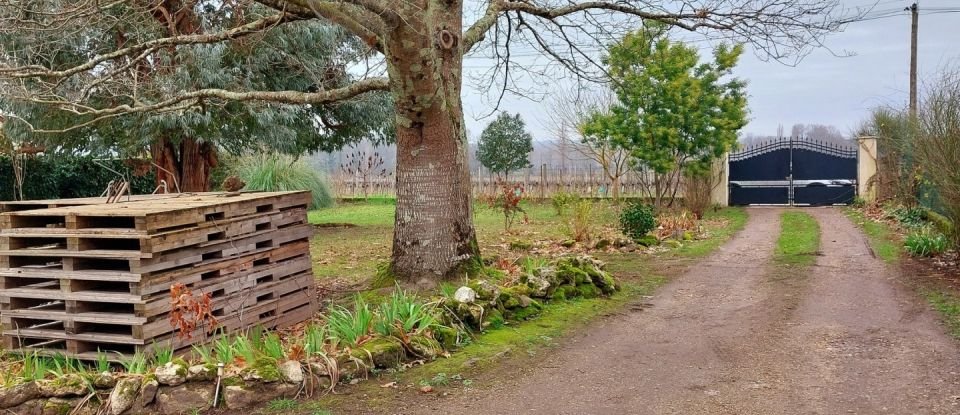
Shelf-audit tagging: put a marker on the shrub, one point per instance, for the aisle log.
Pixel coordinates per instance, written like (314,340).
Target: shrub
(562,200)
(696,193)
(926,242)
(637,220)
(911,217)
(579,227)
(938,145)
(507,201)
(278,173)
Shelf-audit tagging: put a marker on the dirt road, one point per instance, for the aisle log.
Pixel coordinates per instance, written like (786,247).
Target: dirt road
(736,336)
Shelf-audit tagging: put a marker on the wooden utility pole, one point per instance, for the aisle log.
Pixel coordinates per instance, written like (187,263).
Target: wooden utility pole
(915,12)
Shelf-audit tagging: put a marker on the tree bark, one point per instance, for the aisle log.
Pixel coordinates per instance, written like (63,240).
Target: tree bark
(185,166)
(434,237)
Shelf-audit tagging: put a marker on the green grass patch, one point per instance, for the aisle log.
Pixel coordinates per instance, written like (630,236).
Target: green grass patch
(725,223)
(949,307)
(884,241)
(799,239)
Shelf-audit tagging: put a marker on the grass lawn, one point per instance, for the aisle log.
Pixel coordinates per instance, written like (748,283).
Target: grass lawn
(799,239)
(353,238)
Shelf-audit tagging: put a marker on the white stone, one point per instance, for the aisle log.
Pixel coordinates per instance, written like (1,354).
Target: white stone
(171,374)
(292,372)
(465,295)
(123,395)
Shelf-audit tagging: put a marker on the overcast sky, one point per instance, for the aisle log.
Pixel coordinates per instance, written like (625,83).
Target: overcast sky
(821,89)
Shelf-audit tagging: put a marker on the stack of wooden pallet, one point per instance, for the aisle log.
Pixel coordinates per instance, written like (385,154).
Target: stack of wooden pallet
(84,279)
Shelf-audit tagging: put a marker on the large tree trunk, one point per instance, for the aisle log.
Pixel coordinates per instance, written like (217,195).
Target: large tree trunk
(434,238)
(185,166)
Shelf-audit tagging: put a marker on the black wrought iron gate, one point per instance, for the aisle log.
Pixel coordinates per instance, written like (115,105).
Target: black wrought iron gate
(792,171)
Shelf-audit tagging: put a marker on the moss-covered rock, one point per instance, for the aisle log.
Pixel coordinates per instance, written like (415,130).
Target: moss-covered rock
(446,336)
(673,244)
(510,296)
(539,286)
(520,245)
(648,240)
(588,290)
(494,319)
(425,347)
(533,309)
(124,394)
(16,395)
(380,352)
(602,244)
(56,406)
(65,386)
(487,292)
(263,369)
(569,243)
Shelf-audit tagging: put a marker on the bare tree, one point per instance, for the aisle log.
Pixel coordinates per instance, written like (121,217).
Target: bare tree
(416,52)
(364,166)
(568,110)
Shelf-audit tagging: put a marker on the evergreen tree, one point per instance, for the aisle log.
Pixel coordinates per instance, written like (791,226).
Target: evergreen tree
(185,143)
(505,145)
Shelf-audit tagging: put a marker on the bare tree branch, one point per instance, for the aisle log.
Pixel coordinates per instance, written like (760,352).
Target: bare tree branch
(258,26)
(197,98)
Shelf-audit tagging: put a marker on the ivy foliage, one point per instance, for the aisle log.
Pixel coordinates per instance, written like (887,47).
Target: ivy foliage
(673,111)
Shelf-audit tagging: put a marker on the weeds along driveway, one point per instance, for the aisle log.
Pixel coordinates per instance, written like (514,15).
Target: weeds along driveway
(739,334)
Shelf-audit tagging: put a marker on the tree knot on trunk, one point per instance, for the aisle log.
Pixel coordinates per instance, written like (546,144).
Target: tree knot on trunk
(447,40)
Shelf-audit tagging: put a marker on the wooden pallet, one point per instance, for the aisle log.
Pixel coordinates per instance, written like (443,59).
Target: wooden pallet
(83,278)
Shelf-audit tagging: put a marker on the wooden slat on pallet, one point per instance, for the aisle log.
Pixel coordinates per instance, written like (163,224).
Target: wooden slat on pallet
(90,277)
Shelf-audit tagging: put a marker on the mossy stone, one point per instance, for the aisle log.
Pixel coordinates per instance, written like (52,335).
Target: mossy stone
(526,313)
(494,319)
(446,336)
(588,290)
(266,368)
(425,347)
(520,246)
(648,240)
(380,352)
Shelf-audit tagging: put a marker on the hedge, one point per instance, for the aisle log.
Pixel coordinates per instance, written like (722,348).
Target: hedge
(59,177)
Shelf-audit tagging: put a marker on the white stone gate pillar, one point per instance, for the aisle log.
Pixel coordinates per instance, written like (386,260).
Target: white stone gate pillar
(867,157)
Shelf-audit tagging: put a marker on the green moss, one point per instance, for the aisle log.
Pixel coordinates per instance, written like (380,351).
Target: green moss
(520,246)
(494,319)
(425,347)
(569,273)
(942,223)
(380,352)
(446,336)
(588,290)
(510,296)
(648,240)
(233,381)
(267,369)
(58,407)
(384,277)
